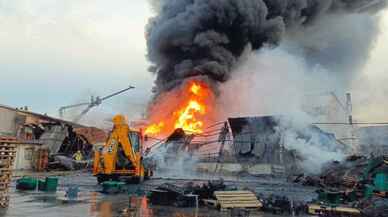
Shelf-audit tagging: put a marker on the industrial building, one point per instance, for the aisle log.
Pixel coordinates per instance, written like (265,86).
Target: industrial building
(13,121)
(32,132)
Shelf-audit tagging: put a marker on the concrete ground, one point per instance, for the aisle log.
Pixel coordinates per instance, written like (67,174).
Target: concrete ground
(94,204)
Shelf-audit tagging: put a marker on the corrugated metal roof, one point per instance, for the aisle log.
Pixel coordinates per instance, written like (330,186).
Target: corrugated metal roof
(262,137)
(42,116)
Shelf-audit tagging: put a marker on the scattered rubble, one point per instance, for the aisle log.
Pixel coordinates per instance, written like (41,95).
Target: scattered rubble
(62,141)
(374,207)
(354,186)
(282,205)
(185,196)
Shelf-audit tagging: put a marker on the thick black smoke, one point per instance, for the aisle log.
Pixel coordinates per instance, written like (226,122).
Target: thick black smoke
(206,37)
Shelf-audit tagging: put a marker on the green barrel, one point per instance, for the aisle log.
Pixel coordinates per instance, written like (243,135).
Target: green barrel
(41,185)
(51,183)
(26,183)
(381,182)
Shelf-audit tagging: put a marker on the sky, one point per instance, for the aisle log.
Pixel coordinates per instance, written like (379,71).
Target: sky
(55,53)
(370,89)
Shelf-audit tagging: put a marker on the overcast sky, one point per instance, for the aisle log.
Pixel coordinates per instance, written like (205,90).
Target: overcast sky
(58,52)
(55,52)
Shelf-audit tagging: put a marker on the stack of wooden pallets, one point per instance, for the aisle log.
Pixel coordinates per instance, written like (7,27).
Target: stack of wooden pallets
(7,157)
(237,199)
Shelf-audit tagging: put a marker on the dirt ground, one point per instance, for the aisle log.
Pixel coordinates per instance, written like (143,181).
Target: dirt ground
(94,204)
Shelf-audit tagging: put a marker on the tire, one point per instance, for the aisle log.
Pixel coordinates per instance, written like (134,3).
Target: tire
(101,179)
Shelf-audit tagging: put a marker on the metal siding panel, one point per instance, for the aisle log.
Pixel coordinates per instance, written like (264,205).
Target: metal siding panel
(7,122)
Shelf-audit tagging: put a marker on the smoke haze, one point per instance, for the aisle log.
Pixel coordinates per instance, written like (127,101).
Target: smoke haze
(199,37)
(268,55)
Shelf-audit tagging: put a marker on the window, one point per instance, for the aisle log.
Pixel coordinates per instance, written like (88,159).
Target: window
(28,153)
(135,141)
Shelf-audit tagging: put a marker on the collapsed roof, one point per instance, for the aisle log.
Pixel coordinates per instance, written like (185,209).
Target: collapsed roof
(262,138)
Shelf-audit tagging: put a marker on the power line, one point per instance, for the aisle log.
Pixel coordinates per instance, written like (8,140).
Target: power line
(357,123)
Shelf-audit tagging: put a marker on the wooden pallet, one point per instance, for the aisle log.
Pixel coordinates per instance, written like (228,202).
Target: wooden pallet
(237,199)
(7,157)
(315,209)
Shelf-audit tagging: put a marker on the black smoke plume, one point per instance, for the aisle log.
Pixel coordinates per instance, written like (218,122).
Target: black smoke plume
(206,37)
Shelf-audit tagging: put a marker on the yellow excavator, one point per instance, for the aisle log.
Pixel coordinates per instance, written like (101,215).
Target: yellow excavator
(121,155)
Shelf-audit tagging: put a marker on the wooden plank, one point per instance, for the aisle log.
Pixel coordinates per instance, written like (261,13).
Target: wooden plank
(7,148)
(237,195)
(249,197)
(232,192)
(247,205)
(240,205)
(5,152)
(5,178)
(6,157)
(315,208)
(237,199)
(4,187)
(7,145)
(4,195)
(240,202)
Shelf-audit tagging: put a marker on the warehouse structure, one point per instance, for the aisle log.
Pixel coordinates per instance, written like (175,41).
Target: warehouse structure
(35,132)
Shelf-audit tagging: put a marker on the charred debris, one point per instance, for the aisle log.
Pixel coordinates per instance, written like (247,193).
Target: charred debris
(358,182)
(62,141)
(256,144)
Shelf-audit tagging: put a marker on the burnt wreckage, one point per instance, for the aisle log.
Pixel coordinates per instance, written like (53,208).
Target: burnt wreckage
(261,140)
(248,141)
(61,140)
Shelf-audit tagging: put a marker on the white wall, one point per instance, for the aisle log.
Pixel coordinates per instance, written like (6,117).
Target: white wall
(24,156)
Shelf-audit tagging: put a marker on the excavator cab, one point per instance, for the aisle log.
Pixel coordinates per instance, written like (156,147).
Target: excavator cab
(120,158)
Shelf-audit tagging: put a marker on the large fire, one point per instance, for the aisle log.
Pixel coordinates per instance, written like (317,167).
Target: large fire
(187,108)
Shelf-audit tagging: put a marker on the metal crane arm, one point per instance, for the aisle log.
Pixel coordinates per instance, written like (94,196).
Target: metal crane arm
(93,103)
(117,93)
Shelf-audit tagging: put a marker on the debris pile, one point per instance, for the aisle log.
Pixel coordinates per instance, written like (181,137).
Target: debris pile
(358,182)
(63,141)
(374,207)
(282,205)
(187,195)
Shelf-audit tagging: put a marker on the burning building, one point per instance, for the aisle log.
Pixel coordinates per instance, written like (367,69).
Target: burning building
(258,145)
(195,46)
(189,107)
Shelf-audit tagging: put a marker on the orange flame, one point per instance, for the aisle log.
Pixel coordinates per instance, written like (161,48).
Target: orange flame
(187,120)
(191,110)
(195,88)
(154,129)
